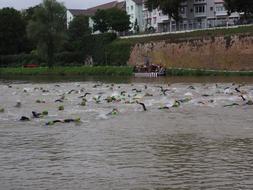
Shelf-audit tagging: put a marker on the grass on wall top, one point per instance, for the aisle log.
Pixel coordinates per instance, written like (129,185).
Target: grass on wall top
(198,34)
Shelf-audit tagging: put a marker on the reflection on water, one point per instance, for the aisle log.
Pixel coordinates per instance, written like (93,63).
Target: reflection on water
(195,146)
(87,159)
(207,163)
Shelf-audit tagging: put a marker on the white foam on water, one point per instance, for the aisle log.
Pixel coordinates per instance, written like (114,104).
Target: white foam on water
(188,94)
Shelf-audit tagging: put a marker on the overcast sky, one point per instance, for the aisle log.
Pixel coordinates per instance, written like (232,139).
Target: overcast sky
(77,4)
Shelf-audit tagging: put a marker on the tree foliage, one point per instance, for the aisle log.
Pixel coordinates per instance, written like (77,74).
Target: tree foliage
(111,19)
(47,28)
(28,13)
(100,21)
(118,20)
(12,31)
(245,6)
(168,7)
(136,26)
(79,27)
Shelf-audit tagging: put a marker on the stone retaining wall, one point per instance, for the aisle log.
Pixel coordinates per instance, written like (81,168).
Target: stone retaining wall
(217,53)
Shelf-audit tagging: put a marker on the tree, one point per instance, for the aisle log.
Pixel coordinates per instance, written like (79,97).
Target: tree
(168,7)
(118,20)
(48,28)
(111,19)
(12,31)
(136,26)
(28,14)
(245,6)
(79,27)
(100,21)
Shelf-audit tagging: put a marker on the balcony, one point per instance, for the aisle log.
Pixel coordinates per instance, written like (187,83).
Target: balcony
(199,1)
(200,14)
(221,13)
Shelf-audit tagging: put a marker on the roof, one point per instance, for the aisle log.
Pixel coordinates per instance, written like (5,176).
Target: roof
(138,2)
(121,5)
(219,1)
(91,11)
(77,12)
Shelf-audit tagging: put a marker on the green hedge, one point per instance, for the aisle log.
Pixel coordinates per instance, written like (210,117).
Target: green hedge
(83,70)
(69,58)
(61,59)
(18,60)
(203,72)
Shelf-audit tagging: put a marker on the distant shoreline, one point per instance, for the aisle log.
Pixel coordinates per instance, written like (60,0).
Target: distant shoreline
(81,70)
(112,71)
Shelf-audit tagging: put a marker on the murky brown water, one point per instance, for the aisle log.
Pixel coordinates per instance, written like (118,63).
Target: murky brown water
(199,145)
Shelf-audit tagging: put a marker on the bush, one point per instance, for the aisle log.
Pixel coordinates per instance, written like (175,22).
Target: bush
(84,70)
(69,58)
(95,46)
(106,50)
(18,60)
(203,72)
(118,53)
(63,59)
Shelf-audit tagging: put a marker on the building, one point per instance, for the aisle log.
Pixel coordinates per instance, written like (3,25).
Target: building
(196,14)
(134,9)
(71,13)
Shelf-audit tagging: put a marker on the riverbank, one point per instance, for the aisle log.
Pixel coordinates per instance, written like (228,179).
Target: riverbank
(111,71)
(202,72)
(83,70)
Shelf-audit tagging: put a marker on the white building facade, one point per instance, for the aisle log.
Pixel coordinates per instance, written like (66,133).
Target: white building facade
(134,9)
(196,14)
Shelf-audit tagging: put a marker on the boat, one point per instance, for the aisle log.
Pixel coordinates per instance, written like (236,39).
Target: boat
(152,71)
(149,74)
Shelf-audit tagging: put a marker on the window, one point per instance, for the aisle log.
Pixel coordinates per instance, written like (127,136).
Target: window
(211,8)
(220,8)
(149,21)
(199,1)
(154,20)
(183,10)
(132,7)
(200,9)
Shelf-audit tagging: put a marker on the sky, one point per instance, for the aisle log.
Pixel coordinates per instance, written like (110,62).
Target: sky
(74,4)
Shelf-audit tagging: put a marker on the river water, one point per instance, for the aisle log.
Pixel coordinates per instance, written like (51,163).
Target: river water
(203,142)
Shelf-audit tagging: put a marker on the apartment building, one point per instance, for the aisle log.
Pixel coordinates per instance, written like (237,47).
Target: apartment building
(196,14)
